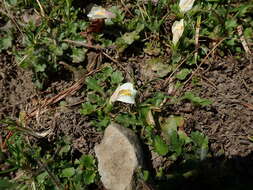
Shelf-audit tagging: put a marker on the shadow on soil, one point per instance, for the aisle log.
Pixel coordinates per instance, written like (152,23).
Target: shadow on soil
(215,173)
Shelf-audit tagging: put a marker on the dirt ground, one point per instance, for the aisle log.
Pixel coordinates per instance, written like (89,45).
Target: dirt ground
(228,122)
(19,94)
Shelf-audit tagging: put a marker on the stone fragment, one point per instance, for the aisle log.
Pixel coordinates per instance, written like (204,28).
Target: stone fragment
(119,155)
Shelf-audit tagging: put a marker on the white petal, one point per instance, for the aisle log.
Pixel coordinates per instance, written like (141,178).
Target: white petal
(126,99)
(114,95)
(124,93)
(177,30)
(100,13)
(186,5)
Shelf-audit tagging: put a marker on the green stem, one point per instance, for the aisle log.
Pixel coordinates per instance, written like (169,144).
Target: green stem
(9,170)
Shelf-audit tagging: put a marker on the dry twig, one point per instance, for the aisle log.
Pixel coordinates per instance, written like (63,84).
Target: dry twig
(203,61)
(243,40)
(69,91)
(78,43)
(8,14)
(126,8)
(197,38)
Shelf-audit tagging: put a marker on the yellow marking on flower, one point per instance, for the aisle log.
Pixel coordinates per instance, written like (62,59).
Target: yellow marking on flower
(125,92)
(102,13)
(98,12)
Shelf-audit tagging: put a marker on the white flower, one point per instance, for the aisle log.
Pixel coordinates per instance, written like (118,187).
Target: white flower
(124,93)
(186,5)
(98,12)
(177,30)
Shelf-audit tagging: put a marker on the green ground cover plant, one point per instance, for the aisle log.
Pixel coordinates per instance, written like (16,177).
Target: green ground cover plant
(43,34)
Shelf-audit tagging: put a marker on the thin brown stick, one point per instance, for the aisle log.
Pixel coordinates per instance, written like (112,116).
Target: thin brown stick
(12,19)
(83,44)
(117,62)
(111,58)
(6,139)
(210,82)
(53,177)
(203,61)
(197,38)
(243,40)
(49,101)
(41,8)
(249,106)
(126,8)
(169,78)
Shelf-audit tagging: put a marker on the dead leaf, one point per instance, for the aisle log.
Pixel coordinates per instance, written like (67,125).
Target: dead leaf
(94,60)
(96,26)
(155,68)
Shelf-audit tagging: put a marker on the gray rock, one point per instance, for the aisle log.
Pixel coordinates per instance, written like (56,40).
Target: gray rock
(119,155)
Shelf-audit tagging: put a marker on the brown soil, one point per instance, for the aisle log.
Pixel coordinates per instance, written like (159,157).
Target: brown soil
(228,122)
(16,87)
(18,94)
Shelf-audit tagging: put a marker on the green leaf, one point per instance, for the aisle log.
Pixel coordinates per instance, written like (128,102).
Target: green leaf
(93,84)
(13,2)
(248,33)
(78,55)
(196,100)
(182,135)
(152,49)
(5,42)
(156,100)
(64,149)
(87,108)
(42,177)
(127,120)
(40,67)
(128,38)
(108,108)
(95,99)
(176,143)
(116,77)
(103,122)
(145,175)
(231,42)
(57,50)
(170,125)
(68,172)
(105,74)
(146,115)
(119,14)
(89,176)
(6,185)
(230,23)
(160,146)
(87,161)
(250,138)
(243,9)
(183,74)
(38,84)
(201,143)
(157,66)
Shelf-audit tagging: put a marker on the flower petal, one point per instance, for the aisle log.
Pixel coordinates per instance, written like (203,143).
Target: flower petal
(186,5)
(124,93)
(177,30)
(98,12)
